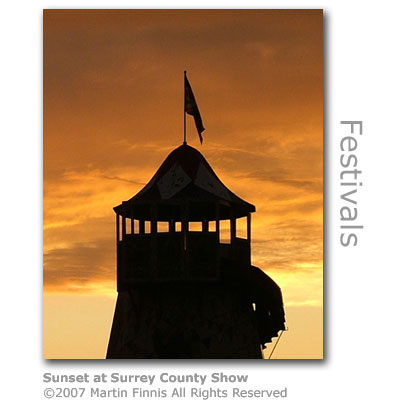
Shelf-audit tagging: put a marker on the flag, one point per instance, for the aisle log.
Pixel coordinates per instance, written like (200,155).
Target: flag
(191,108)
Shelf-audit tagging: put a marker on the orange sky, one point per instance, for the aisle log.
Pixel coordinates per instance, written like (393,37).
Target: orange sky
(113,110)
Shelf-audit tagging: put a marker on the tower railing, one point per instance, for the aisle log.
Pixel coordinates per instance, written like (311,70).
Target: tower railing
(150,251)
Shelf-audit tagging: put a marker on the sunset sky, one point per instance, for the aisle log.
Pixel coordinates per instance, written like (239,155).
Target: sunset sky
(113,110)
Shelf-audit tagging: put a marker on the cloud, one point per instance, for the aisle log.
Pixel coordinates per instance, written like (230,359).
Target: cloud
(80,266)
(113,104)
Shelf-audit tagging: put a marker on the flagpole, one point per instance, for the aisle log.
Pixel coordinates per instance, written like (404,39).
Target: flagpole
(184,108)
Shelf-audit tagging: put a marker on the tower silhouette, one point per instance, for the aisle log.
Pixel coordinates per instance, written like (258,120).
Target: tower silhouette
(183,291)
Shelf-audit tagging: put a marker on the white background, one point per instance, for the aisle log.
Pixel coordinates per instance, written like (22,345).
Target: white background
(366,337)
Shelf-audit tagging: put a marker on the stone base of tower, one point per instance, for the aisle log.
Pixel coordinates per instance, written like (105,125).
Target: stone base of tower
(191,321)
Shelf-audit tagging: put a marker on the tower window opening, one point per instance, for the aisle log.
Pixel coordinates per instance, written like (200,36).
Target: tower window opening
(195,227)
(178,226)
(128,225)
(224,231)
(147,226)
(212,226)
(241,228)
(163,226)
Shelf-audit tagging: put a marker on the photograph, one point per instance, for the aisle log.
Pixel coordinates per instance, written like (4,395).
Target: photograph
(183,184)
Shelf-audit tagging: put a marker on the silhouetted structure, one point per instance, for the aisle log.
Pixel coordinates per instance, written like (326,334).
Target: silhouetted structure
(182,292)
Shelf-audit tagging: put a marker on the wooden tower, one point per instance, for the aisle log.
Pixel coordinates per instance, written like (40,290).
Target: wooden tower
(183,291)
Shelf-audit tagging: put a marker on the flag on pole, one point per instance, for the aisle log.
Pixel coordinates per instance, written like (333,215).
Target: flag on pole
(191,108)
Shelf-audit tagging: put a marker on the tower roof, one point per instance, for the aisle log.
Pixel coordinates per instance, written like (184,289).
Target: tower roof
(186,176)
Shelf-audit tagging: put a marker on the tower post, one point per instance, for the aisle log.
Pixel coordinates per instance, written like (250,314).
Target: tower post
(184,108)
